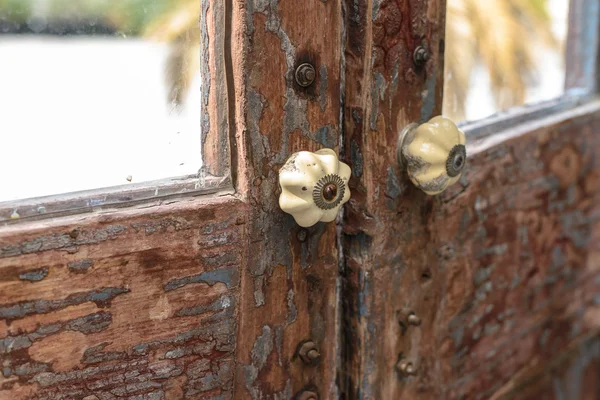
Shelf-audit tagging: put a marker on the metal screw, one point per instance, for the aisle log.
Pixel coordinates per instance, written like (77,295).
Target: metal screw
(407,368)
(330,191)
(308,352)
(421,55)
(302,235)
(414,320)
(307,395)
(305,74)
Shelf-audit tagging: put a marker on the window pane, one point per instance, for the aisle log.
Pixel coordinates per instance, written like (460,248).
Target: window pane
(503,53)
(97,93)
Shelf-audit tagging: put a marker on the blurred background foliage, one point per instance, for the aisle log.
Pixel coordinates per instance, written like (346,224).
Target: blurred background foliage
(171,21)
(505,37)
(131,17)
(501,35)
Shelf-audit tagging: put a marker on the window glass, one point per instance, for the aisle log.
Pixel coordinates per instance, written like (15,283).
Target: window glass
(502,54)
(97,93)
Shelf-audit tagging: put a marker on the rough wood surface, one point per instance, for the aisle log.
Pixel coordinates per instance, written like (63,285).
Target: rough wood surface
(215,109)
(502,268)
(137,304)
(289,290)
(385,91)
(571,375)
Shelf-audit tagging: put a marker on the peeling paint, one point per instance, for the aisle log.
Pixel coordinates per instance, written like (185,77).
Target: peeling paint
(34,275)
(228,276)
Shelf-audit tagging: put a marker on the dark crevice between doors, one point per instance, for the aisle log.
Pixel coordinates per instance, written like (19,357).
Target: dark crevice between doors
(231,99)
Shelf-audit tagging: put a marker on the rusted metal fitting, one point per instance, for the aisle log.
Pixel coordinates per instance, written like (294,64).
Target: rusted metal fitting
(302,235)
(406,368)
(305,74)
(309,353)
(421,55)
(307,395)
(414,320)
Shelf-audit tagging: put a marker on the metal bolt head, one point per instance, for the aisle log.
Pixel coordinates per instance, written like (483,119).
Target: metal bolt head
(330,191)
(305,74)
(307,395)
(420,56)
(414,320)
(313,354)
(309,353)
(407,368)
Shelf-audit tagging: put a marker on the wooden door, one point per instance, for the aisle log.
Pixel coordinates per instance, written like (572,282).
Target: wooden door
(208,294)
(501,270)
(213,293)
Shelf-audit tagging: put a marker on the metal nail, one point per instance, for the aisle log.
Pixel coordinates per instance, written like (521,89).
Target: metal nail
(414,320)
(305,74)
(407,368)
(308,352)
(421,55)
(307,395)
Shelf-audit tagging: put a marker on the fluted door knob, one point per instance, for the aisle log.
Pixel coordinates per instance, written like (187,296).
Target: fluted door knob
(433,154)
(313,186)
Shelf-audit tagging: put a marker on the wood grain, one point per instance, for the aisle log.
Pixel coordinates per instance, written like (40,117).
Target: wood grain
(502,268)
(289,290)
(137,304)
(385,91)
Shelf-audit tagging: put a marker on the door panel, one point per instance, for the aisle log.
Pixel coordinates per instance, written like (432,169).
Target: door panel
(213,296)
(500,269)
(516,256)
(133,304)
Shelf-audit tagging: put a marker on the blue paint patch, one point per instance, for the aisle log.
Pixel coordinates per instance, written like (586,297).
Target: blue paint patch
(323,136)
(80,266)
(34,275)
(101,297)
(392,185)
(219,304)
(228,276)
(429,98)
(357,159)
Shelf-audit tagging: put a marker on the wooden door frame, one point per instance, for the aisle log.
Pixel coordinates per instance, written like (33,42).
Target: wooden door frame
(190,296)
(213,295)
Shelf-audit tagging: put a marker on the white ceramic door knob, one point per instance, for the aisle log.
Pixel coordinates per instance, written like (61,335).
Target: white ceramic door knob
(313,186)
(433,154)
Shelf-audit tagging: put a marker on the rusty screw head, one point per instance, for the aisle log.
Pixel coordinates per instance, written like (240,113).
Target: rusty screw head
(414,320)
(420,56)
(407,368)
(307,395)
(305,74)
(309,353)
(330,191)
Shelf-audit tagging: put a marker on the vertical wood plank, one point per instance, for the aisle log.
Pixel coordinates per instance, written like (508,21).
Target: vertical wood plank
(289,288)
(385,91)
(582,50)
(215,110)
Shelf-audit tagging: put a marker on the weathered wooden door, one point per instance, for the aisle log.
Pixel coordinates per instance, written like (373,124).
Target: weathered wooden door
(487,291)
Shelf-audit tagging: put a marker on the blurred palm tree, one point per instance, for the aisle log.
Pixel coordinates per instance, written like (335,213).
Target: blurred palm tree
(502,35)
(176,22)
(180,26)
